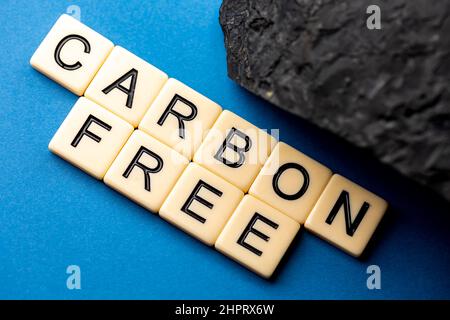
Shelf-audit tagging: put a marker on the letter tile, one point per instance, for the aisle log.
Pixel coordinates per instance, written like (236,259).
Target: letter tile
(71,54)
(180,117)
(235,149)
(346,215)
(201,203)
(257,236)
(90,137)
(126,85)
(145,170)
(291,182)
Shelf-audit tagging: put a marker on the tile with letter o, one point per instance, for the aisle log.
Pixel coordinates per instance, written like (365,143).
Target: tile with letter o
(291,182)
(235,149)
(257,236)
(126,85)
(71,54)
(180,117)
(346,215)
(90,137)
(201,203)
(145,170)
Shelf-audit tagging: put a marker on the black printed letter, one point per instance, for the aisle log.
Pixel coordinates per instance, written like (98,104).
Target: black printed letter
(278,174)
(84,131)
(194,196)
(76,65)
(344,200)
(249,228)
(133,73)
(135,163)
(179,116)
(239,150)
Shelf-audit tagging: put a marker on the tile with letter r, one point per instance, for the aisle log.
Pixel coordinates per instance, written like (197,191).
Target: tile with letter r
(180,117)
(235,149)
(346,215)
(291,182)
(145,170)
(90,137)
(71,54)
(201,203)
(126,85)
(257,236)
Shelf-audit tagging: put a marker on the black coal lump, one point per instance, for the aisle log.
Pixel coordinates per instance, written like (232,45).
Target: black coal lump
(385,90)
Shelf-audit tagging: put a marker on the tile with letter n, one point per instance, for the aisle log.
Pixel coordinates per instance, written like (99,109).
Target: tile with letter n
(71,54)
(257,236)
(126,85)
(201,203)
(90,137)
(145,170)
(346,215)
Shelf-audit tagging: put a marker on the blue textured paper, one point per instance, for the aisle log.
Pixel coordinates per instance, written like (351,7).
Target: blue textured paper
(53,215)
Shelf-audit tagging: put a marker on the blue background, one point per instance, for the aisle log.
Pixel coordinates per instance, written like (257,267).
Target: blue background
(53,215)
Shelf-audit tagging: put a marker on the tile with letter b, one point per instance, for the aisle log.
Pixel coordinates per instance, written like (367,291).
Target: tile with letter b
(71,54)
(235,149)
(346,215)
(180,117)
(257,236)
(145,170)
(201,203)
(126,85)
(291,182)
(90,137)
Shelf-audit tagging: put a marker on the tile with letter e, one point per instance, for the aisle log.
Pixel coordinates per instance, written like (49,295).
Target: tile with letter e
(126,85)
(71,54)
(346,215)
(291,182)
(201,203)
(257,236)
(90,137)
(235,149)
(145,170)
(180,117)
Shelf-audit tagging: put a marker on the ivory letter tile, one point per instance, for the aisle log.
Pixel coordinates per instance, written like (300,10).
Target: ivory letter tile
(90,137)
(145,170)
(346,215)
(71,54)
(201,203)
(257,236)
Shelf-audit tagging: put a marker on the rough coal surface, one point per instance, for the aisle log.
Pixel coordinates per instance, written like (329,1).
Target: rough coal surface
(387,91)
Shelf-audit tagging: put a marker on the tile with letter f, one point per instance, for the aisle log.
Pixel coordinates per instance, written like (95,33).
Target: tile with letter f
(90,137)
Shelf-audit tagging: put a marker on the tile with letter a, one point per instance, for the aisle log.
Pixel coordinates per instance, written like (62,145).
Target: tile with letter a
(257,236)
(179,117)
(346,215)
(71,54)
(201,203)
(145,170)
(291,182)
(90,137)
(235,149)
(126,85)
